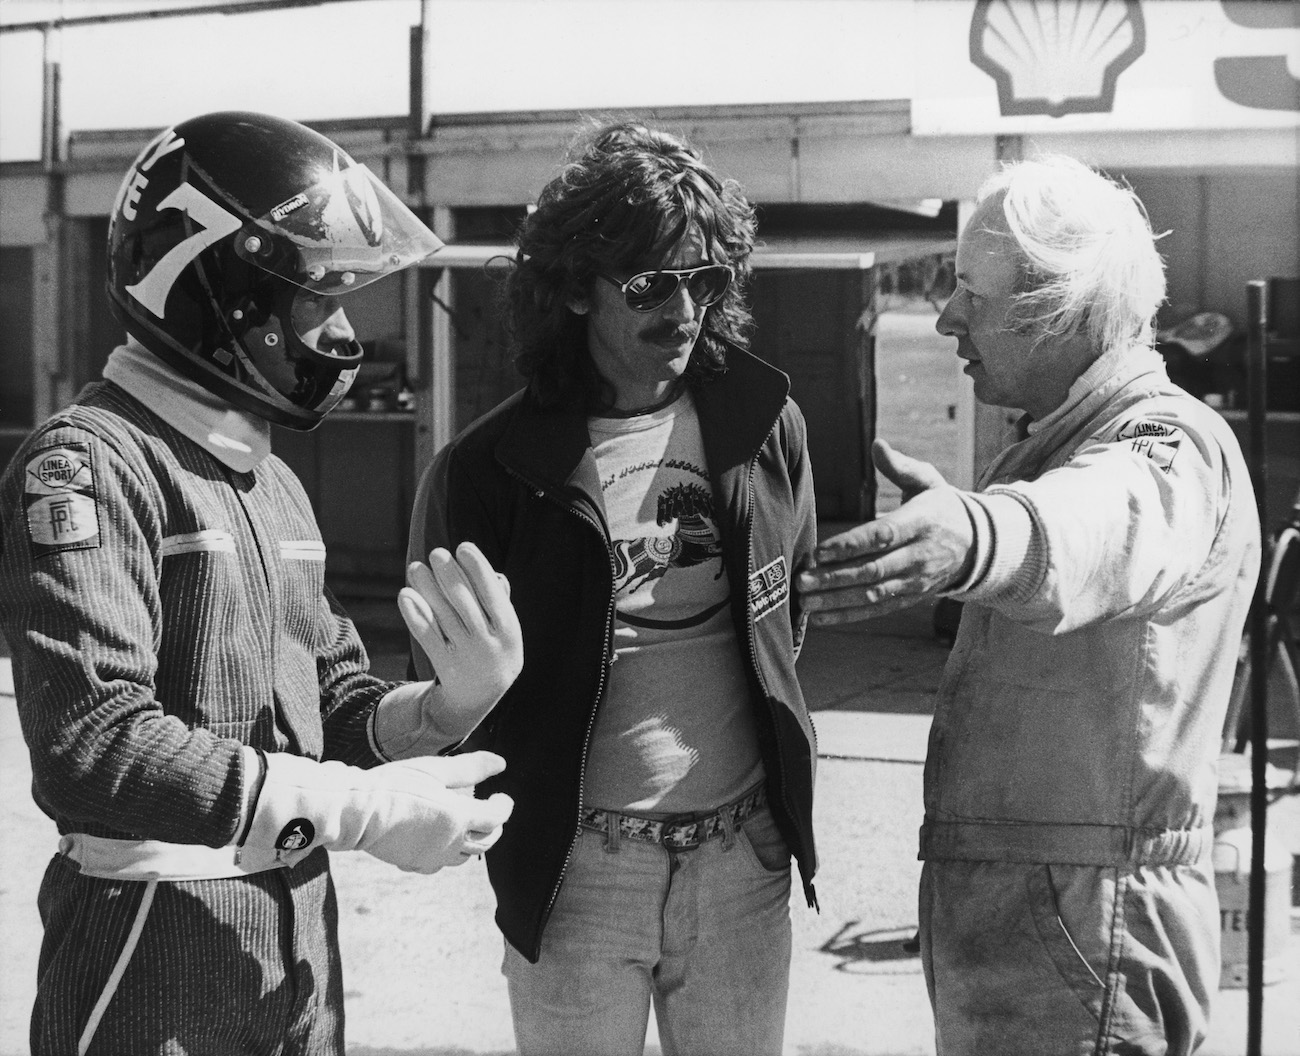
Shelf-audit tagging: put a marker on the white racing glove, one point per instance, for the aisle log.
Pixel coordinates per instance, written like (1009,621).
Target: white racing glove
(411,814)
(458,610)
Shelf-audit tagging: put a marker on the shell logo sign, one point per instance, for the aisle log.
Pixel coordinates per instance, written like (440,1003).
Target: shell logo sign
(1016,66)
(1056,58)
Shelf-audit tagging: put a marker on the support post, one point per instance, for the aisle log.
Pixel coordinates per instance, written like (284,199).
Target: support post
(1256,392)
(52,339)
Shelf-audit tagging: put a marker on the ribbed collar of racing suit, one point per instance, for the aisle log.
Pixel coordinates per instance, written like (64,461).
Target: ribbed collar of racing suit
(1123,360)
(237,438)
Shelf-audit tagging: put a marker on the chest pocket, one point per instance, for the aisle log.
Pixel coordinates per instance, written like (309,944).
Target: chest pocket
(302,581)
(200,577)
(201,589)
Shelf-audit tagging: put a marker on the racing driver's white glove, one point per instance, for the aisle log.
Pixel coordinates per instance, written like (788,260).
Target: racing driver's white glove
(458,612)
(417,814)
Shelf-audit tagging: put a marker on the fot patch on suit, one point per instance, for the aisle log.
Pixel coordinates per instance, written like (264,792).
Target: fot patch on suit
(59,500)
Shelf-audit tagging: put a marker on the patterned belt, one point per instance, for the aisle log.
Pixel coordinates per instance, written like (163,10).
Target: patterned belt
(680,832)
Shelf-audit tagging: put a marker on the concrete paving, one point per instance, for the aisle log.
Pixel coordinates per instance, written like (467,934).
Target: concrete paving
(422,956)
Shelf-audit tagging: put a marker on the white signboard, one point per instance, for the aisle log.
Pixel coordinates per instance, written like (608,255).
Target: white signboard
(1021,66)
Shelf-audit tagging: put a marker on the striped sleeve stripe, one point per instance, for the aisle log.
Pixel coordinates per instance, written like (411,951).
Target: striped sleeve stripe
(302,550)
(196,542)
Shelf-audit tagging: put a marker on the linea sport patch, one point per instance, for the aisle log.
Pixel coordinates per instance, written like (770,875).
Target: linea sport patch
(1158,441)
(768,588)
(59,500)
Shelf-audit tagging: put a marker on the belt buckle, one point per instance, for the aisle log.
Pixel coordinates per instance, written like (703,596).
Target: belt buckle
(683,843)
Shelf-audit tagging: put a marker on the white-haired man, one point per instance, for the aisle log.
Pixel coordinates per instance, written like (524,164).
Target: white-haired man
(1107,560)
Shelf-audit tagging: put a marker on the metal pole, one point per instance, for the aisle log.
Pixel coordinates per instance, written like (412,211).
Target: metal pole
(415,122)
(52,349)
(51,118)
(428,353)
(1256,391)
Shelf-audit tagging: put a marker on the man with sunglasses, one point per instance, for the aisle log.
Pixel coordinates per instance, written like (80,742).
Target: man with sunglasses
(648,495)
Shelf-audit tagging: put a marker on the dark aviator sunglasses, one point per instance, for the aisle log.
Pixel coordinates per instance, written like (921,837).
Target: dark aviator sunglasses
(648,290)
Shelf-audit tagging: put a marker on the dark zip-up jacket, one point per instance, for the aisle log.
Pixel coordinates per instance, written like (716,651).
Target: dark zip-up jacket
(521,483)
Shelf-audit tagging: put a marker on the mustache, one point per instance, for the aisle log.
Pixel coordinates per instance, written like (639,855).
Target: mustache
(669,331)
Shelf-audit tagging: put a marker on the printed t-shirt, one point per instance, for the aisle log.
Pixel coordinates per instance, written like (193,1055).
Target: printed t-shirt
(675,731)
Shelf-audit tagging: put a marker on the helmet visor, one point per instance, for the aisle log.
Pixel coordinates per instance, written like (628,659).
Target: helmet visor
(346,230)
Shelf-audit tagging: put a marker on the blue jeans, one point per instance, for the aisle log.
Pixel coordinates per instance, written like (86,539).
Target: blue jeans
(1068,960)
(704,932)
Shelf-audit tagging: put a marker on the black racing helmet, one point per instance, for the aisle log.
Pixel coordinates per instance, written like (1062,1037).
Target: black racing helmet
(219,223)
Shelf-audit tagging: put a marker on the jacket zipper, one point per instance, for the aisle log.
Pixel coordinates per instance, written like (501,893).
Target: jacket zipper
(600,691)
(810,892)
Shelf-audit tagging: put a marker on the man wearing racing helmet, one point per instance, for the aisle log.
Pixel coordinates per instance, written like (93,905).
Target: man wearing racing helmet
(198,708)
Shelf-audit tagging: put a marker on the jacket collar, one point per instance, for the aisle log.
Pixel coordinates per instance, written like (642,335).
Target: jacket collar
(548,447)
(1095,390)
(552,448)
(737,411)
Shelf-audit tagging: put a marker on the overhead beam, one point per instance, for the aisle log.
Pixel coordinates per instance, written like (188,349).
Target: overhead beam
(236,7)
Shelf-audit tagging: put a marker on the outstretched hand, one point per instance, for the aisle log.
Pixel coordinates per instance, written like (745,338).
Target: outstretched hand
(918,550)
(458,609)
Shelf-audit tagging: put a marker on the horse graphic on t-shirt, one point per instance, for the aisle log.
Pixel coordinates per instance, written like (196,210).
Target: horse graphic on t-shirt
(648,558)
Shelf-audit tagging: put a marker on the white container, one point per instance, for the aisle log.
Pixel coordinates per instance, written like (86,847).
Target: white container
(1232,881)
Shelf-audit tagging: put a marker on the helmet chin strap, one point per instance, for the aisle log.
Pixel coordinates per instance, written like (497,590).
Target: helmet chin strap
(281,362)
(315,402)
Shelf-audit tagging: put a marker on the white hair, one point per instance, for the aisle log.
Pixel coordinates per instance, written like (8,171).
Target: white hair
(1089,259)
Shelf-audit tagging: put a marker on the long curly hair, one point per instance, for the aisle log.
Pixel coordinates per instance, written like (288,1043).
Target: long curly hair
(625,197)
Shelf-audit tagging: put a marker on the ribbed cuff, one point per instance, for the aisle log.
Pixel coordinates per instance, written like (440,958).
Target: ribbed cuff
(1017,558)
(372,737)
(254,774)
(981,543)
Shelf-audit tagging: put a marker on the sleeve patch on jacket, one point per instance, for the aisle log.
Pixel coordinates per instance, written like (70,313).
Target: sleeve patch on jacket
(1158,441)
(59,497)
(768,588)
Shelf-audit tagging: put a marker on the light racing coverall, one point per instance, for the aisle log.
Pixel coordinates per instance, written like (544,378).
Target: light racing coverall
(1067,901)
